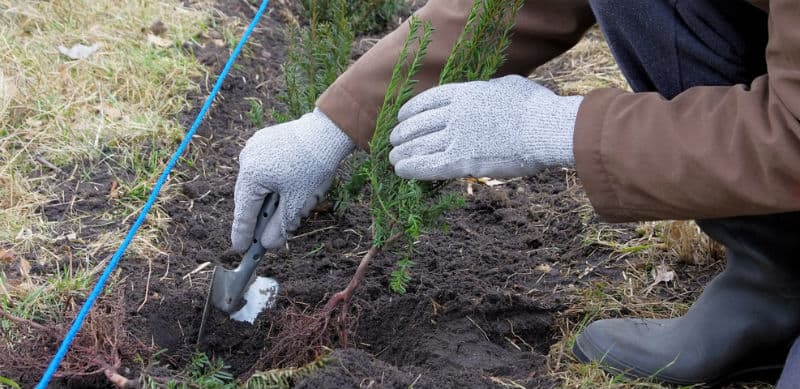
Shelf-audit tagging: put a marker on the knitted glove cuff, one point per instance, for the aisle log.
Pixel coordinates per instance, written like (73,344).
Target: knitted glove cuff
(333,144)
(560,145)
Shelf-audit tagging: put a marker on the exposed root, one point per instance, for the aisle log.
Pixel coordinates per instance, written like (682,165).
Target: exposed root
(95,351)
(304,338)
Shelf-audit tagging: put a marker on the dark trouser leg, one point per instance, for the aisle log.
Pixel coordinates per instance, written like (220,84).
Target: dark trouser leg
(748,316)
(790,378)
(668,46)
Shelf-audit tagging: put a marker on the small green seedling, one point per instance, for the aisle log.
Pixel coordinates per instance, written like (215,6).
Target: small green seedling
(366,16)
(256,113)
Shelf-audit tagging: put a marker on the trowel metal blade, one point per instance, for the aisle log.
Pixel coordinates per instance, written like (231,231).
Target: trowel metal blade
(260,295)
(204,319)
(225,292)
(241,300)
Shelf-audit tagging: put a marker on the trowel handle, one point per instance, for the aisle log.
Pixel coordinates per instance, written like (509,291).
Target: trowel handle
(256,250)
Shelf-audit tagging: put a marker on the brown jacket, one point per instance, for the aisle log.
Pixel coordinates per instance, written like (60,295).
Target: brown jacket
(639,156)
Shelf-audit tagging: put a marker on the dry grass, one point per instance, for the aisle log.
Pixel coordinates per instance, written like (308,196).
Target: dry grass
(64,120)
(109,118)
(587,66)
(57,113)
(628,287)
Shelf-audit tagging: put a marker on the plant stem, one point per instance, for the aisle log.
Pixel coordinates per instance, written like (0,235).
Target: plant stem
(343,296)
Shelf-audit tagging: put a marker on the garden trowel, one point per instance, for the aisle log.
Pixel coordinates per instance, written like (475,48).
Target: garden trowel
(237,292)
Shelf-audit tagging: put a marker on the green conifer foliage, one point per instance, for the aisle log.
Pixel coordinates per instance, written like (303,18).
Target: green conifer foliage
(318,54)
(407,208)
(401,209)
(366,16)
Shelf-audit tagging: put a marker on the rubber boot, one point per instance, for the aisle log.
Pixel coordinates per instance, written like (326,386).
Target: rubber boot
(744,322)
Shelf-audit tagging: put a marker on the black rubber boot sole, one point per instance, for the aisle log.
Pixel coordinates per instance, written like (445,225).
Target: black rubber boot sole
(766,373)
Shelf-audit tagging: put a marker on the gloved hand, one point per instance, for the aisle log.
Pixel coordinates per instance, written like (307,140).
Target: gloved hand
(296,159)
(505,127)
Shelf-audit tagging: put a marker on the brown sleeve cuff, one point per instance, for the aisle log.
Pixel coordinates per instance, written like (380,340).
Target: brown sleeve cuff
(357,124)
(589,151)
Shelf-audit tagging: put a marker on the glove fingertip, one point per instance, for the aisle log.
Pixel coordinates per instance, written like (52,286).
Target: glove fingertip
(430,99)
(242,231)
(274,236)
(238,244)
(396,137)
(394,157)
(405,111)
(424,168)
(404,170)
(412,106)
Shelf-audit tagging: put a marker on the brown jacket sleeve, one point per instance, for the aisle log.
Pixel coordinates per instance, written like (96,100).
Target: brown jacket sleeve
(709,152)
(543,30)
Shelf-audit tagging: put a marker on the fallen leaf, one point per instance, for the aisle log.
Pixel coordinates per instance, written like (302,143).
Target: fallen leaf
(109,112)
(485,181)
(6,255)
(662,273)
(158,41)
(114,192)
(79,51)
(24,267)
(674,231)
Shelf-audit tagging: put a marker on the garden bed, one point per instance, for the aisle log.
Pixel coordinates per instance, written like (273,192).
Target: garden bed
(481,304)
(494,297)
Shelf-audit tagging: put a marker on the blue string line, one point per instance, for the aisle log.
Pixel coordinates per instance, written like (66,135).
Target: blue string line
(98,288)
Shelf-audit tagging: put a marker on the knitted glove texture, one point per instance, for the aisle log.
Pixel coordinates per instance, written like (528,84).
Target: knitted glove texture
(297,160)
(505,127)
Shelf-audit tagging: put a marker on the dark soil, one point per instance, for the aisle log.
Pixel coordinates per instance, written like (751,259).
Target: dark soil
(485,293)
(475,309)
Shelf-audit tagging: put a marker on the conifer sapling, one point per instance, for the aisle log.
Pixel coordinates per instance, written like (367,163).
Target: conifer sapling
(402,209)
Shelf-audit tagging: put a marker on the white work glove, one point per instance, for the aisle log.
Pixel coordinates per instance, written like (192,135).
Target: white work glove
(505,127)
(296,159)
